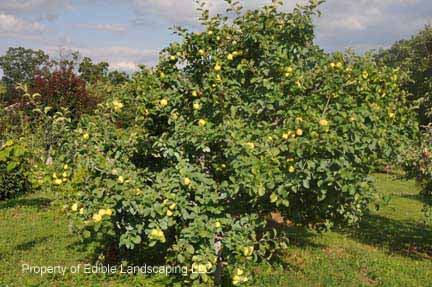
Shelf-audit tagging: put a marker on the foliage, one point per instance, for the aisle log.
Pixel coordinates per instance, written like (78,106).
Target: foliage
(14,170)
(38,127)
(186,163)
(63,88)
(92,72)
(19,65)
(117,77)
(3,91)
(414,55)
(418,164)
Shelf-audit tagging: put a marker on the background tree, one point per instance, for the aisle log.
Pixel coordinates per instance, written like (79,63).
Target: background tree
(68,59)
(19,65)
(63,88)
(118,77)
(414,56)
(91,72)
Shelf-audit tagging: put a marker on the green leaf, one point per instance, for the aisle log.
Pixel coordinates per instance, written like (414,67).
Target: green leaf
(86,234)
(273,197)
(136,239)
(11,166)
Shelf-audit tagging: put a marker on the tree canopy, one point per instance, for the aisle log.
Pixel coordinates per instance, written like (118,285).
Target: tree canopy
(414,56)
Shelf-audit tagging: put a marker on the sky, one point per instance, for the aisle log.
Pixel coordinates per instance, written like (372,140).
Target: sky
(127,33)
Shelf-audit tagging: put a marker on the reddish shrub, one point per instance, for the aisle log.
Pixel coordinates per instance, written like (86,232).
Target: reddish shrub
(63,88)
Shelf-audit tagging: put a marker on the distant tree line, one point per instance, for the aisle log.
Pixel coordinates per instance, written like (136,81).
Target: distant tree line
(65,82)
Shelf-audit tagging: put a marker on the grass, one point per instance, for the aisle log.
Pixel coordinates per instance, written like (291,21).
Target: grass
(392,247)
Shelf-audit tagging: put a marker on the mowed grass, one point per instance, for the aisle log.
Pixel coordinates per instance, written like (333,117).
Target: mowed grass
(392,247)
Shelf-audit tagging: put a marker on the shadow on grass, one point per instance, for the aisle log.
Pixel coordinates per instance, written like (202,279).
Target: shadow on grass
(113,255)
(418,197)
(39,203)
(298,237)
(402,237)
(301,237)
(30,244)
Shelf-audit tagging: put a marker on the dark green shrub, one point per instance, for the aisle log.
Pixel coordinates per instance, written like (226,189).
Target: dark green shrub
(15,170)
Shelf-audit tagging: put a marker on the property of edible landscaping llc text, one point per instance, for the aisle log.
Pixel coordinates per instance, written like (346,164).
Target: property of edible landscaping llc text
(103,269)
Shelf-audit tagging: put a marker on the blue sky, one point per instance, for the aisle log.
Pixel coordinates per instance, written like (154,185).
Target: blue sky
(130,32)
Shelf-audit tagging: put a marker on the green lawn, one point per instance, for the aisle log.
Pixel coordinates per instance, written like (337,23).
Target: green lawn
(392,247)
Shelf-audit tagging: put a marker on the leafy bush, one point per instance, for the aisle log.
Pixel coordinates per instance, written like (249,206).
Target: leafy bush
(418,165)
(414,55)
(118,77)
(62,88)
(14,170)
(186,163)
(41,138)
(19,65)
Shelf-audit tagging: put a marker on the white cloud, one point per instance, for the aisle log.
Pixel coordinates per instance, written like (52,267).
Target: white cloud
(124,65)
(370,24)
(33,6)
(102,27)
(113,51)
(349,23)
(119,57)
(36,10)
(185,11)
(178,11)
(13,24)
(119,51)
